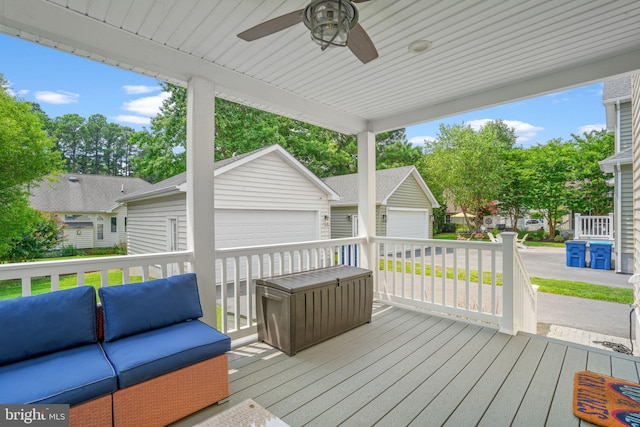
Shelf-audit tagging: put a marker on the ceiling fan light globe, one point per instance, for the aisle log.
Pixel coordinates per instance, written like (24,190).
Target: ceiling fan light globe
(330,21)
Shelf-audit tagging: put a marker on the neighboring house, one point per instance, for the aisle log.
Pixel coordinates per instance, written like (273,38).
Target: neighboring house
(617,100)
(404,204)
(87,205)
(263,197)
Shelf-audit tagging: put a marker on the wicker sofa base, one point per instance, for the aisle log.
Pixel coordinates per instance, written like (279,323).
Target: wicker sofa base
(94,413)
(165,399)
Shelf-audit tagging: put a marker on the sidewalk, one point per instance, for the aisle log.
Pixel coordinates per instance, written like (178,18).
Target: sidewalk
(572,319)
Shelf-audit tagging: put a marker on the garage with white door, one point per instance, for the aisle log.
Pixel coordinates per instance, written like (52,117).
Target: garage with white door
(410,223)
(237,227)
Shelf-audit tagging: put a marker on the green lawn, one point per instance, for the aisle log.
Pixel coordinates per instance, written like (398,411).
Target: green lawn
(561,287)
(41,285)
(584,290)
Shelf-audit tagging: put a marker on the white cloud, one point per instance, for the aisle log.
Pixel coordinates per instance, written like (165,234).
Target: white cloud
(148,106)
(419,140)
(137,120)
(524,131)
(139,89)
(58,97)
(589,128)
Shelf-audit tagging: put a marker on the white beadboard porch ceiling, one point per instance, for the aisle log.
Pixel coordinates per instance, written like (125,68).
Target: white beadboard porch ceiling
(484,52)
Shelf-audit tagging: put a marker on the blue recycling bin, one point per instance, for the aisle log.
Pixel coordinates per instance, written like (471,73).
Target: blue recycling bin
(576,253)
(600,255)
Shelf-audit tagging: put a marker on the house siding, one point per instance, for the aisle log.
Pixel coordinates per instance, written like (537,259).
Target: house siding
(625,126)
(266,183)
(626,219)
(635,130)
(410,195)
(271,183)
(147,224)
(341,224)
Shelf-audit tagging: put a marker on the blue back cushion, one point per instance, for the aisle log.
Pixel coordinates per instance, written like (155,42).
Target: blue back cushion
(140,307)
(37,325)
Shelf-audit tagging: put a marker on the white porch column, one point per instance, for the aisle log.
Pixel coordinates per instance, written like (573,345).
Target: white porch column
(509,324)
(200,221)
(367,196)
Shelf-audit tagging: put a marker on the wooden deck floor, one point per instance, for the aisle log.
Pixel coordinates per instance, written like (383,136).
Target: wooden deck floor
(410,368)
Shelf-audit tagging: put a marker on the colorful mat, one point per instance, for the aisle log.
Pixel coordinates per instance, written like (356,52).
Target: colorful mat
(606,401)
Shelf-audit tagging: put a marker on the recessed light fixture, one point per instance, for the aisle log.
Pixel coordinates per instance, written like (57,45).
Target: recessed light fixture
(419,46)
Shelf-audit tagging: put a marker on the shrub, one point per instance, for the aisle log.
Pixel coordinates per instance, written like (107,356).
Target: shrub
(449,227)
(558,239)
(68,250)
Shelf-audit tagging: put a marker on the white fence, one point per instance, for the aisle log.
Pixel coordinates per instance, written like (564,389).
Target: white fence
(122,267)
(236,294)
(480,281)
(594,227)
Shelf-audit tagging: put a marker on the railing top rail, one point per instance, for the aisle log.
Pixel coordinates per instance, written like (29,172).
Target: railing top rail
(264,249)
(440,243)
(46,268)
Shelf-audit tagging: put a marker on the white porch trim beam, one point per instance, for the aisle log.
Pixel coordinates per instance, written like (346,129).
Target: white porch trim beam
(86,37)
(200,200)
(367,196)
(548,83)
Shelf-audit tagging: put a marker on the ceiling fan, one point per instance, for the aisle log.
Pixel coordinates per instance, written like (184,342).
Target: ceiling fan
(332,23)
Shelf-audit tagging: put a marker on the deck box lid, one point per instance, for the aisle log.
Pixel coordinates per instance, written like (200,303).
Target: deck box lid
(304,281)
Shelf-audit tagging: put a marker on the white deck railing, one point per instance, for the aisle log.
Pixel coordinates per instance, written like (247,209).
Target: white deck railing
(235,265)
(593,227)
(145,266)
(437,275)
(480,281)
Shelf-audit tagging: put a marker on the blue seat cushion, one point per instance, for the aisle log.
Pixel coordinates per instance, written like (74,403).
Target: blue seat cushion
(140,357)
(140,307)
(41,324)
(69,376)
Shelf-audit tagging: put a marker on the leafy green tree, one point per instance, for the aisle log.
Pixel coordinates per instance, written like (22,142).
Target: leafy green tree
(28,156)
(240,129)
(515,187)
(550,169)
(43,233)
(67,134)
(590,193)
(466,166)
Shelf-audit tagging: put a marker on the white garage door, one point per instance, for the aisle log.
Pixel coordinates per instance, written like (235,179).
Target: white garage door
(412,223)
(235,227)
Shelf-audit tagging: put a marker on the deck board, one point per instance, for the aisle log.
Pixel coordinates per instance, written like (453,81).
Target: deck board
(413,368)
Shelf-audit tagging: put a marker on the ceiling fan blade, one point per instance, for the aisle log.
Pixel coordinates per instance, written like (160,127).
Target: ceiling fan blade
(361,45)
(272,26)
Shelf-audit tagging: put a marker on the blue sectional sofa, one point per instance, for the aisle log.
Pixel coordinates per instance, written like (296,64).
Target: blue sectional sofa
(156,364)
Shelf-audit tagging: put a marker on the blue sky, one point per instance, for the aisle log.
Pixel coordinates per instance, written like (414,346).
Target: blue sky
(62,83)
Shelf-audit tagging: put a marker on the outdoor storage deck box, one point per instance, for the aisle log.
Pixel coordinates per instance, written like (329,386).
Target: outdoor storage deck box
(299,310)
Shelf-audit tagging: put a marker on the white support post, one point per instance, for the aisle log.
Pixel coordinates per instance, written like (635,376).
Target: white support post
(610,226)
(508,325)
(200,202)
(578,227)
(367,196)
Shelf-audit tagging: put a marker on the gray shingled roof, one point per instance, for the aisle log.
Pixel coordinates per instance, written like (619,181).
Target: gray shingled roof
(624,157)
(346,186)
(617,89)
(83,193)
